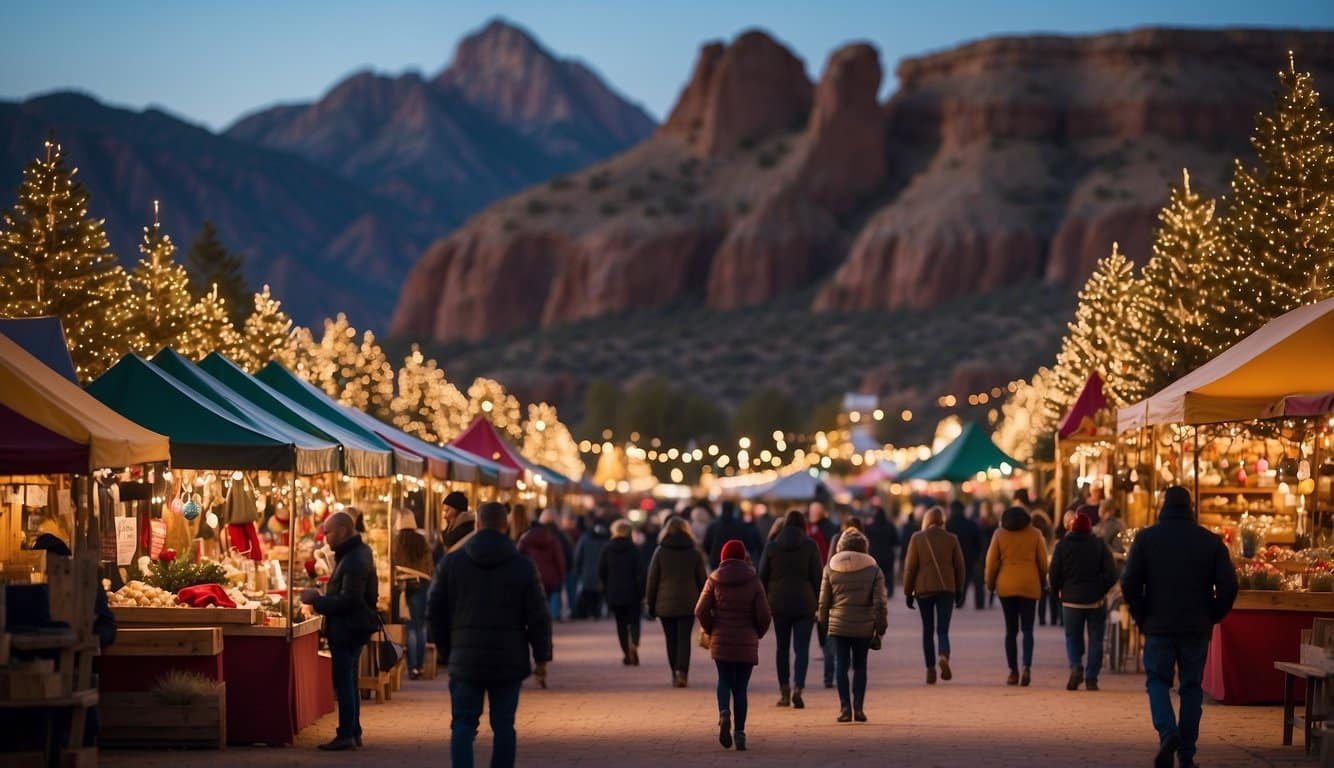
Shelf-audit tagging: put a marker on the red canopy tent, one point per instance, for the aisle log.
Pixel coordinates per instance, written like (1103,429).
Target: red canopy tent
(481,439)
(1082,415)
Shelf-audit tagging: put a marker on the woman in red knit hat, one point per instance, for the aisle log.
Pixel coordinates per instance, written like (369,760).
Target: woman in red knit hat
(734,612)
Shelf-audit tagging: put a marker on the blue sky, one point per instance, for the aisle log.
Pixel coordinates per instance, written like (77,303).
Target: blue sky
(212,62)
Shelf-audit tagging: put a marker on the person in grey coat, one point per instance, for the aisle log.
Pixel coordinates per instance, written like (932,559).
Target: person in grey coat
(676,574)
(853,609)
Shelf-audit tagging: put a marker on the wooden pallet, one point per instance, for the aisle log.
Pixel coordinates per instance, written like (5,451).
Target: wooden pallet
(140,719)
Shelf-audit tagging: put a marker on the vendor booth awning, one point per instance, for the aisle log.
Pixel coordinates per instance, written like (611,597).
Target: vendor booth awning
(396,461)
(361,458)
(1290,355)
(44,339)
(798,485)
(971,452)
(442,462)
(881,472)
(1083,414)
(314,455)
(481,439)
(203,435)
(49,425)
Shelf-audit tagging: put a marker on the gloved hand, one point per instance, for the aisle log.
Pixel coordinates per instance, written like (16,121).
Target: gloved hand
(958,600)
(540,674)
(910,601)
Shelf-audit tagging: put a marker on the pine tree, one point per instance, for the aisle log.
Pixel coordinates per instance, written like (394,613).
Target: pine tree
(267,333)
(1098,339)
(212,264)
(1024,430)
(162,311)
(426,405)
(487,397)
(548,442)
(1168,311)
(211,331)
(55,260)
(1276,240)
(353,370)
(378,376)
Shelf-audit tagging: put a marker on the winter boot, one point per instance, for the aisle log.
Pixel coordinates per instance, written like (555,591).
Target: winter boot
(945,673)
(1090,683)
(930,675)
(1025,678)
(785,696)
(634,655)
(845,714)
(1013,679)
(725,729)
(1076,677)
(797,703)
(740,741)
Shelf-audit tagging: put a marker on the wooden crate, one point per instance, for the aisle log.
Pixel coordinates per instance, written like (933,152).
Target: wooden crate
(29,681)
(167,641)
(179,617)
(140,719)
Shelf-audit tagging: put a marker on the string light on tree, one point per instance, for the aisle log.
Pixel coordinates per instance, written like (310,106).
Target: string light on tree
(162,309)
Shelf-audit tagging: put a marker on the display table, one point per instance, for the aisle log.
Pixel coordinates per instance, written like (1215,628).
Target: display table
(1262,628)
(274,687)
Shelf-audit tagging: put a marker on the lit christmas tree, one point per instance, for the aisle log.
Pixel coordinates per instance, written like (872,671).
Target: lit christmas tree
(548,442)
(353,370)
(299,356)
(162,311)
(1099,340)
(426,405)
(1024,431)
(487,397)
(55,260)
(1168,311)
(267,333)
(377,381)
(1276,239)
(211,331)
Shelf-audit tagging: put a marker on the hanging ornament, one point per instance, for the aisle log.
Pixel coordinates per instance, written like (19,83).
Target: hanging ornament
(1287,469)
(1261,466)
(176,505)
(1241,476)
(190,509)
(1304,469)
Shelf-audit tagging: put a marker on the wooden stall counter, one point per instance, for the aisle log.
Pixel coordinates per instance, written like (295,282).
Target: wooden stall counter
(1262,628)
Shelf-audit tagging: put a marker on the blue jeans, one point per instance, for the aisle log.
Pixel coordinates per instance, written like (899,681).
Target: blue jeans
(733,680)
(1077,621)
(553,604)
(851,652)
(793,633)
(936,612)
(571,592)
(416,624)
(345,659)
(466,707)
(1163,656)
(1018,613)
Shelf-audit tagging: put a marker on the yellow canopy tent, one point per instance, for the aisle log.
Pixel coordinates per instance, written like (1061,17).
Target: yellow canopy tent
(1290,355)
(39,395)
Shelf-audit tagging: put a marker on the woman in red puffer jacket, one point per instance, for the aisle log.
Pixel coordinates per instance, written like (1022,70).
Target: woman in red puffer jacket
(734,611)
(540,544)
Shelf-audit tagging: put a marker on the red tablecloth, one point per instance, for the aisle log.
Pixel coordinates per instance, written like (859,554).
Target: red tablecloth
(273,689)
(1240,669)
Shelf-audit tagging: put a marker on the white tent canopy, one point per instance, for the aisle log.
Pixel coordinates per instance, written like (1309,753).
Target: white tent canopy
(1290,355)
(794,486)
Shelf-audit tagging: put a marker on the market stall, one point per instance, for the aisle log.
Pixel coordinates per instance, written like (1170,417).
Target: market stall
(481,440)
(1248,434)
(971,457)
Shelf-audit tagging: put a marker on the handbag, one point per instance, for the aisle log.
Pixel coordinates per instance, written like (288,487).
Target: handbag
(704,640)
(387,652)
(876,642)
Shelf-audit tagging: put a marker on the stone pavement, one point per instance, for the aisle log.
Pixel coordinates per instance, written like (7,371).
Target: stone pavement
(598,712)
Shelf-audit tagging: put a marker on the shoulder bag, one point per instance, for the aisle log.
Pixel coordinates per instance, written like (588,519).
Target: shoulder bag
(387,652)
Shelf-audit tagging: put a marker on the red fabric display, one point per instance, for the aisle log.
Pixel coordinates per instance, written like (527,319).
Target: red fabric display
(204,595)
(245,539)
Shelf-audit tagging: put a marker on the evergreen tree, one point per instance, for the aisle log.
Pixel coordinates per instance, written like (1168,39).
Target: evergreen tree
(211,330)
(1168,311)
(548,442)
(1276,241)
(354,370)
(162,311)
(55,260)
(267,333)
(1099,339)
(212,264)
(426,405)
(487,397)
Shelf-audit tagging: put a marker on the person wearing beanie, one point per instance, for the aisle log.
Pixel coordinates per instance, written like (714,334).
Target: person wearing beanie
(459,523)
(1017,572)
(622,582)
(853,609)
(1082,571)
(935,577)
(1178,583)
(412,578)
(734,613)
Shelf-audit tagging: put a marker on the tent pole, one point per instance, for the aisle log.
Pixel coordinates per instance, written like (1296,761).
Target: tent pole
(1195,434)
(291,555)
(1059,506)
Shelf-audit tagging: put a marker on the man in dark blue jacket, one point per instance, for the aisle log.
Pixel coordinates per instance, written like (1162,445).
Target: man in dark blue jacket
(488,611)
(728,526)
(969,534)
(1178,582)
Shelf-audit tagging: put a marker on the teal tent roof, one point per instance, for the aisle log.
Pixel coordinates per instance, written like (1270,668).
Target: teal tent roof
(314,454)
(361,457)
(443,461)
(971,452)
(203,435)
(315,399)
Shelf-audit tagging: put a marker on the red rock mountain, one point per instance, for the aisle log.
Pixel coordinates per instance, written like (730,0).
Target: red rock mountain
(997,162)
(504,114)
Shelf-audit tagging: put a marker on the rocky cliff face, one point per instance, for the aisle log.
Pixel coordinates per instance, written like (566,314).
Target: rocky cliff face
(996,162)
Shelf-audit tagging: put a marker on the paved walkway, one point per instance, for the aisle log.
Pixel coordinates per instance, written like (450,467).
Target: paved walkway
(597,712)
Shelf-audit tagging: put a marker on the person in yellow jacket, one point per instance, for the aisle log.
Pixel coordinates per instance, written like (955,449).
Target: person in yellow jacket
(1017,571)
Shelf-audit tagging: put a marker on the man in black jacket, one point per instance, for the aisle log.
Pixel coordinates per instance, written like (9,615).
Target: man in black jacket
(1178,582)
(488,610)
(1081,571)
(969,535)
(349,608)
(728,526)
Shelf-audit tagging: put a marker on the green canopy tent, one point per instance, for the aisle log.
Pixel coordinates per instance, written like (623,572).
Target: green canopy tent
(203,435)
(442,461)
(971,452)
(361,458)
(316,400)
(314,453)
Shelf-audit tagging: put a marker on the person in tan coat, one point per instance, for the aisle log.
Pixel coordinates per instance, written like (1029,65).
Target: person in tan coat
(853,610)
(1016,571)
(934,577)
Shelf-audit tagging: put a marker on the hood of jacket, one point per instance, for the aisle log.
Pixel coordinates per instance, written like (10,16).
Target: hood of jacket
(790,538)
(1016,519)
(850,561)
(490,549)
(677,541)
(733,572)
(620,544)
